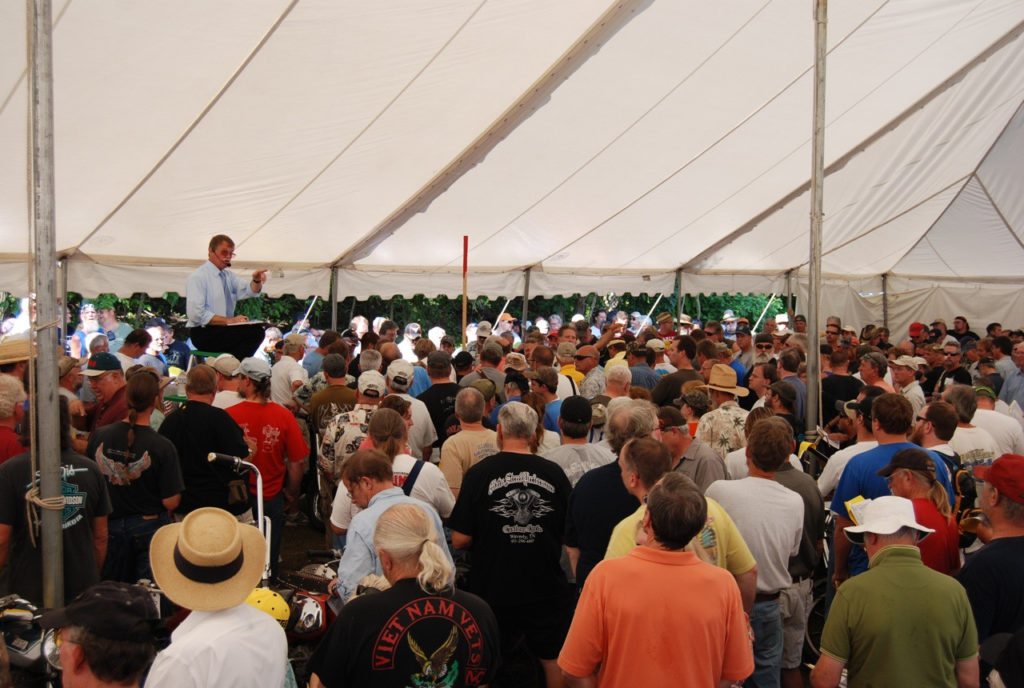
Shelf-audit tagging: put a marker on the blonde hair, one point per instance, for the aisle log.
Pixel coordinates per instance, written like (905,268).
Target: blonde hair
(407,533)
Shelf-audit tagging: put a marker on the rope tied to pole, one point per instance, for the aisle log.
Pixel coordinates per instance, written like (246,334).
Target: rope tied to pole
(33,502)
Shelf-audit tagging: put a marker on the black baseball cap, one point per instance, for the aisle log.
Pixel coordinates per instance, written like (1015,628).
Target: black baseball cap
(112,610)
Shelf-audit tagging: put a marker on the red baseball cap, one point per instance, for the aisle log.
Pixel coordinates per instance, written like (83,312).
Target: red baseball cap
(917,329)
(1006,474)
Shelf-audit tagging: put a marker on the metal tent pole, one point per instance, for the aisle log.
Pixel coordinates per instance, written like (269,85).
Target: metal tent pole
(817,187)
(526,299)
(334,298)
(885,299)
(45,409)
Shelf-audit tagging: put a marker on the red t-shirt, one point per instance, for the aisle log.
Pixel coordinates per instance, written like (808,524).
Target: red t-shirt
(940,550)
(10,443)
(278,440)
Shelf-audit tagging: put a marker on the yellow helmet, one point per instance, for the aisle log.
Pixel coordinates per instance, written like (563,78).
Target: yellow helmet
(270,602)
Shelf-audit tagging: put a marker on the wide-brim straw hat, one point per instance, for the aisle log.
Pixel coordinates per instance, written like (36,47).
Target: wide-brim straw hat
(209,561)
(723,378)
(14,349)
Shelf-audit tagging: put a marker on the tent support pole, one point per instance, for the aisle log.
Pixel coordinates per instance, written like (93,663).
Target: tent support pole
(885,300)
(789,295)
(334,298)
(526,299)
(65,314)
(817,188)
(679,297)
(45,409)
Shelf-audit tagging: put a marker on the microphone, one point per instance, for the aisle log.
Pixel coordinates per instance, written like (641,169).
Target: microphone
(234,461)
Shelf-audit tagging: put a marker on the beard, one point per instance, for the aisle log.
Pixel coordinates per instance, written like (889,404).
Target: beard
(761,358)
(917,434)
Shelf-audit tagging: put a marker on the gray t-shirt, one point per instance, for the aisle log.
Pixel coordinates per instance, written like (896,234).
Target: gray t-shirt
(577,459)
(701,464)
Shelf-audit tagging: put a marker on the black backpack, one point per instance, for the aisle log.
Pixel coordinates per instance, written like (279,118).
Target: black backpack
(965,490)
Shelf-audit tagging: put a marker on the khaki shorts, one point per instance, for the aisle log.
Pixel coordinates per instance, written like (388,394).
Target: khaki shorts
(794,605)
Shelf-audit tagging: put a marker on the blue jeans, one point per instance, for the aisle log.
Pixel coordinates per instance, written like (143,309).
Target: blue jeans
(273,509)
(128,547)
(766,622)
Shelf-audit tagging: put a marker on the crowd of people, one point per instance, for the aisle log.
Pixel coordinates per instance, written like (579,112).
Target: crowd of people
(622,499)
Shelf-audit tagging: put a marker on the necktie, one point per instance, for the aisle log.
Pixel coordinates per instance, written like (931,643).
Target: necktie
(229,299)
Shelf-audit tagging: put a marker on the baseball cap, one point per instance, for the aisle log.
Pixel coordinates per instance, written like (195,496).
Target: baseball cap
(102,362)
(111,610)
(576,409)
(1006,474)
(546,376)
(254,368)
(371,383)
(566,350)
(517,378)
(656,345)
(485,387)
(507,317)
(400,373)
(743,330)
(66,364)
(984,391)
(905,362)
(917,329)
(156,321)
(853,407)
(225,364)
(296,339)
(911,459)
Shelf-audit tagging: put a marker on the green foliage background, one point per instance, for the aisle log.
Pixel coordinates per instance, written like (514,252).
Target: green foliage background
(442,310)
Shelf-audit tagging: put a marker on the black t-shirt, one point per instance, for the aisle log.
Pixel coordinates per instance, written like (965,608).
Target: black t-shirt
(196,429)
(947,379)
(837,388)
(597,504)
(404,636)
(513,506)
(993,580)
(140,477)
(85,494)
(669,386)
(440,401)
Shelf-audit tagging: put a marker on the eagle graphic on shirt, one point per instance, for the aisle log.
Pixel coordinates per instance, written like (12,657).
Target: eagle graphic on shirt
(436,672)
(119,473)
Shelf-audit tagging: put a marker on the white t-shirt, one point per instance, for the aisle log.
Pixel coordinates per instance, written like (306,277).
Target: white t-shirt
(1007,433)
(226,398)
(282,375)
(975,446)
(830,475)
(770,517)
(430,487)
(422,433)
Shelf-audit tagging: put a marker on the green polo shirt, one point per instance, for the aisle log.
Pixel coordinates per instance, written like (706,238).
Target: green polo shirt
(900,623)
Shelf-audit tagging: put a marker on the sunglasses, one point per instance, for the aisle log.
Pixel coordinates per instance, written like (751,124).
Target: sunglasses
(764,347)
(582,358)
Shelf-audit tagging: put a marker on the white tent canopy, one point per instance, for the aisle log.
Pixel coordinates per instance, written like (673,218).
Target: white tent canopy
(603,146)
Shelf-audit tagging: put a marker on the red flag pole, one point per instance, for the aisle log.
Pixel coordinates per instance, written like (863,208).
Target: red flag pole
(465,268)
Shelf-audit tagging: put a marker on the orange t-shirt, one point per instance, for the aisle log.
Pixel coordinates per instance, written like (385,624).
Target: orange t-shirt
(658,618)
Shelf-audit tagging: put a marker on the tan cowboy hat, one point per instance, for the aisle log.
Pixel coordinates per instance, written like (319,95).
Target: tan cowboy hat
(723,378)
(209,561)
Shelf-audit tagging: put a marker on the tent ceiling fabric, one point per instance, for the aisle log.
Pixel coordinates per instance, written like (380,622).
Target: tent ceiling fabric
(678,136)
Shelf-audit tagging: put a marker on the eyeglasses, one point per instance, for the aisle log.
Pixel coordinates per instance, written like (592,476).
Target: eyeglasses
(764,347)
(921,419)
(950,353)
(581,358)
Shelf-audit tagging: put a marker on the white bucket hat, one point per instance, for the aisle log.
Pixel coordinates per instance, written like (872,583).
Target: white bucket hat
(884,516)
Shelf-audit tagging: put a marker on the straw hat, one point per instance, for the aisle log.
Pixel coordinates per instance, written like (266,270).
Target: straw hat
(13,350)
(209,561)
(723,378)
